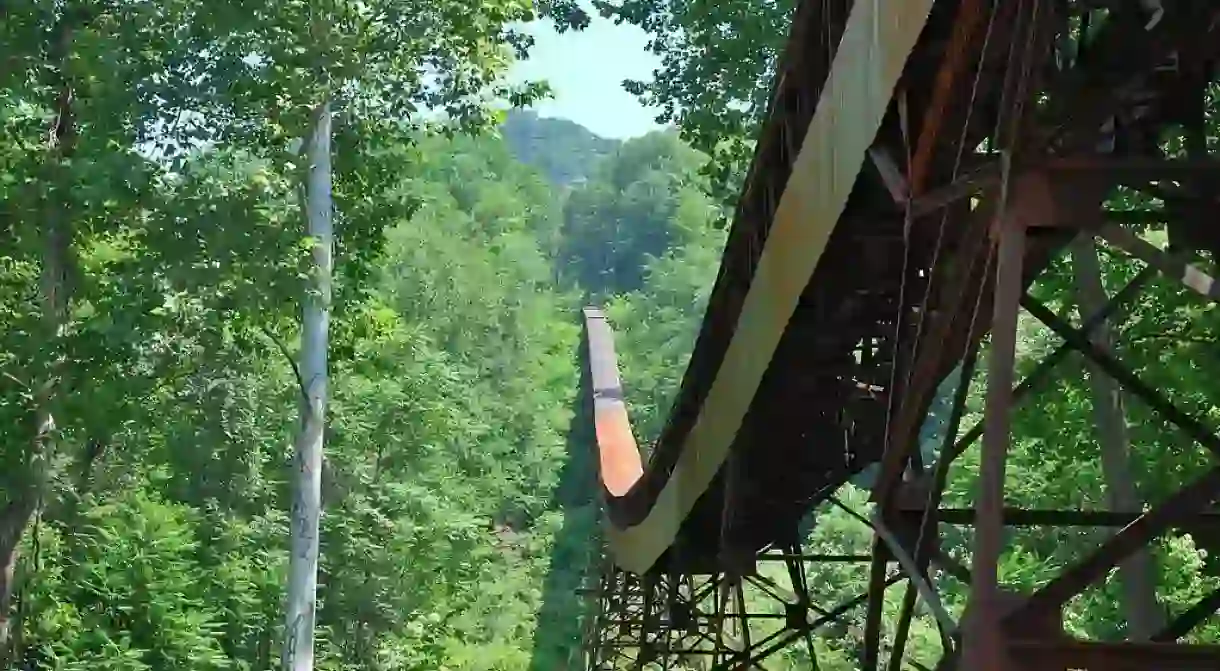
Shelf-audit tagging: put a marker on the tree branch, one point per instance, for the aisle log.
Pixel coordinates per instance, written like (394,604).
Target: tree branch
(292,363)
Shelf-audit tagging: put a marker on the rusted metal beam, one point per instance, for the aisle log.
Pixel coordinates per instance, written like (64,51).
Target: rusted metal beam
(927,538)
(1124,656)
(974,182)
(962,46)
(1025,517)
(1125,171)
(891,175)
(876,603)
(983,637)
(983,644)
(923,364)
(1175,268)
(816,557)
(1033,20)
(1193,617)
(1192,426)
(1132,170)
(1051,598)
(958,292)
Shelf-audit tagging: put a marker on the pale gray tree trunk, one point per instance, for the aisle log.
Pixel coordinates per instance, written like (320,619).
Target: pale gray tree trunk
(298,654)
(1137,575)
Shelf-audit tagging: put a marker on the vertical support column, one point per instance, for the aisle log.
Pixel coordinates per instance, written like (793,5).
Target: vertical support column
(1137,574)
(983,644)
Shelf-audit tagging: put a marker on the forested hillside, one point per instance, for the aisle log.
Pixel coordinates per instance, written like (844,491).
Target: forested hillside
(171,314)
(564,151)
(152,533)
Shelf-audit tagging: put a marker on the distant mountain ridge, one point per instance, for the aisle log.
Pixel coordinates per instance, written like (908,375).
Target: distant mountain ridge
(563,150)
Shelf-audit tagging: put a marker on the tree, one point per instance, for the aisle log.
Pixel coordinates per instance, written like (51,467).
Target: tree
(135,100)
(717,63)
(435,484)
(563,150)
(69,188)
(368,60)
(315,332)
(642,201)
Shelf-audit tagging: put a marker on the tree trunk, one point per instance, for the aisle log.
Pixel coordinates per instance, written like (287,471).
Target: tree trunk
(298,651)
(1137,575)
(14,520)
(54,289)
(23,506)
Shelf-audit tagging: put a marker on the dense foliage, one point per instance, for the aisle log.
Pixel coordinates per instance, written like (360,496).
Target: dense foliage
(149,524)
(564,150)
(717,65)
(152,253)
(152,260)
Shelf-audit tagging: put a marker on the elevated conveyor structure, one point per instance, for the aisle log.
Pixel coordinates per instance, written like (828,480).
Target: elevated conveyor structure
(925,163)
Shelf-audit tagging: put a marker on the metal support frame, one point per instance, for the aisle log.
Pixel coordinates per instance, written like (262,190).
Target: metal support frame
(1042,182)
(1029,192)
(1186,510)
(714,622)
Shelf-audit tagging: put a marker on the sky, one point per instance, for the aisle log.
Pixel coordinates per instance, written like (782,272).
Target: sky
(586,69)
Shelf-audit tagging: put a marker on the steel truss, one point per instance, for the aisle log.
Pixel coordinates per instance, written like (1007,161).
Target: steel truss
(1049,138)
(715,622)
(1005,630)
(1054,160)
